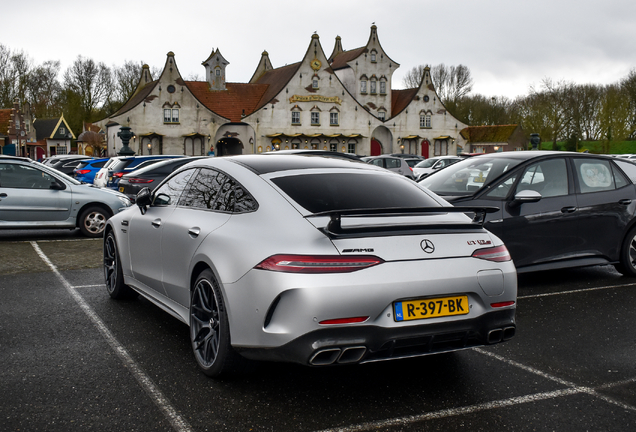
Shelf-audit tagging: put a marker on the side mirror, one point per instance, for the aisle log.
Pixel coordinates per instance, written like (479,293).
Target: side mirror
(525,196)
(57,185)
(143,199)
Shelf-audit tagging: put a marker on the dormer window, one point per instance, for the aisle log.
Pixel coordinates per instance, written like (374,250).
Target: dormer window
(382,115)
(217,71)
(314,83)
(374,56)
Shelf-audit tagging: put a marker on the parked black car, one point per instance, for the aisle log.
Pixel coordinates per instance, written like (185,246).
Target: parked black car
(556,209)
(65,163)
(150,176)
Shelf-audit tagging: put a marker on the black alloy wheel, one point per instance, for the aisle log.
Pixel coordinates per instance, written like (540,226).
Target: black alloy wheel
(627,265)
(209,328)
(113,275)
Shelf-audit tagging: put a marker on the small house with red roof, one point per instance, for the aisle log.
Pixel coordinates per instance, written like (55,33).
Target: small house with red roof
(492,139)
(342,102)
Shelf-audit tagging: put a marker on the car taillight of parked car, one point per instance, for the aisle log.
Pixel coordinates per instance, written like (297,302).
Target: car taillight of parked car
(136,180)
(318,263)
(118,174)
(496,254)
(82,172)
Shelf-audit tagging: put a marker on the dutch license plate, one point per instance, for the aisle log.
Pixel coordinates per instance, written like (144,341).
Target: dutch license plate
(110,179)
(430,308)
(121,189)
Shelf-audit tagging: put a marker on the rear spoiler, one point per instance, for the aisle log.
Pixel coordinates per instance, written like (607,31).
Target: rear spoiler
(334,227)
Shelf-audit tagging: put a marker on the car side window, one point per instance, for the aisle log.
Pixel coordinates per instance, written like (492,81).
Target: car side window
(548,177)
(393,163)
(24,177)
(596,175)
(502,189)
(213,190)
(169,193)
(628,168)
(377,162)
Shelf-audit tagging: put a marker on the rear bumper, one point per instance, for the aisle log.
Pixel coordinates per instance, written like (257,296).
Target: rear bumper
(368,343)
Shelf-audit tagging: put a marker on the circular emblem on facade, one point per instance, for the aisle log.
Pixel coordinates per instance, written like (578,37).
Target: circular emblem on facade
(315,64)
(427,246)
(425,98)
(171,88)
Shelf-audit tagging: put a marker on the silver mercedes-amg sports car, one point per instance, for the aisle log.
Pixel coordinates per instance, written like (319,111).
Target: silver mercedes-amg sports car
(311,260)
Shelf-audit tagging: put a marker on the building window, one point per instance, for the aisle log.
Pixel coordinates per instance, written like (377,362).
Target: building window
(425,120)
(351,147)
(333,119)
(314,83)
(373,87)
(333,147)
(315,118)
(63,131)
(363,86)
(171,115)
(218,72)
(295,117)
(373,56)
(382,115)
(382,87)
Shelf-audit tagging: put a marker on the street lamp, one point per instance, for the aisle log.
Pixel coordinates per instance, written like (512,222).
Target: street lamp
(149,148)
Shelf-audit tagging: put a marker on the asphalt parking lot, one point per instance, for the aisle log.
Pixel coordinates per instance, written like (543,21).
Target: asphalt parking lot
(73,359)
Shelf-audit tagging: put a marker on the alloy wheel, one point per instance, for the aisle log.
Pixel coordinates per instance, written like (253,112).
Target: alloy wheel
(205,323)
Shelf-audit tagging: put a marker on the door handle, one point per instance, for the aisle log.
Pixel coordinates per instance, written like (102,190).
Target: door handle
(194,231)
(622,202)
(568,209)
(156,223)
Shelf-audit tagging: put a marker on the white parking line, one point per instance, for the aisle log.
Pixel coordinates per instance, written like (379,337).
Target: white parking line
(576,291)
(177,422)
(89,286)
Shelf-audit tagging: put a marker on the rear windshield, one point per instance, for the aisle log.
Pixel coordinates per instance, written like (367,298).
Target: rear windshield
(343,191)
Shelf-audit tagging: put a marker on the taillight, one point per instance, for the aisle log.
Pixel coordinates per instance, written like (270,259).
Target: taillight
(118,174)
(81,172)
(502,304)
(139,180)
(497,254)
(318,263)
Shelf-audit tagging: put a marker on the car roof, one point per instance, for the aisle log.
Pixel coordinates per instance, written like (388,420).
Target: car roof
(262,164)
(312,152)
(15,158)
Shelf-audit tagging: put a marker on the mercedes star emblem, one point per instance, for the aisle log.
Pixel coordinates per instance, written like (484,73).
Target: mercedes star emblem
(427,246)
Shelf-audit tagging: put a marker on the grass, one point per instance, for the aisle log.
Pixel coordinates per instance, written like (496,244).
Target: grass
(596,147)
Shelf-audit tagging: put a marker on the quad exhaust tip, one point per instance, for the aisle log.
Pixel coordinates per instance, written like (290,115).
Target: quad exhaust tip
(500,335)
(338,356)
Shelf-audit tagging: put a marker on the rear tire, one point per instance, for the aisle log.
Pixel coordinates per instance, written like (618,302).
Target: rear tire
(210,328)
(113,274)
(627,265)
(92,221)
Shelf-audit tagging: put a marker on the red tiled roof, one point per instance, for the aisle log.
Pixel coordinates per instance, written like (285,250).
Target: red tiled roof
(488,134)
(340,61)
(400,99)
(276,79)
(232,103)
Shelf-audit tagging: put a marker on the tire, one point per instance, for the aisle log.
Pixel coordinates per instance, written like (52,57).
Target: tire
(210,329)
(92,221)
(113,275)
(627,265)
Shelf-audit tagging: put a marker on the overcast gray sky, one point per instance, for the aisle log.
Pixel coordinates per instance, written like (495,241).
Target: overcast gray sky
(508,45)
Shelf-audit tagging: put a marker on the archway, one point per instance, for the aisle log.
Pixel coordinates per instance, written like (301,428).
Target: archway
(228,147)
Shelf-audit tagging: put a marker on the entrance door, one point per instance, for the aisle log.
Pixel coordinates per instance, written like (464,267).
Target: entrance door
(376,148)
(425,145)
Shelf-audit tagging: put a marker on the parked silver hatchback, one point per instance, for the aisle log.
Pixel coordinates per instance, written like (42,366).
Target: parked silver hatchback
(33,195)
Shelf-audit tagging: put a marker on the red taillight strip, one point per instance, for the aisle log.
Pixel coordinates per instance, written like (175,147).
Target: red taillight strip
(318,263)
(139,180)
(502,304)
(497,254)
(353,320)
(82,171)
(118,174)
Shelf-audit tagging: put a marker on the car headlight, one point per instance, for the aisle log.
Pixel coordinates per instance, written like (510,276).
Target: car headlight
(125,201)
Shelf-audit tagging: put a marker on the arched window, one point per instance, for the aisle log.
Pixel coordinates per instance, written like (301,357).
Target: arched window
(382,86)
(374,56)
(295,115)
(363,84)
(334,117)
(373,86)
(425,119)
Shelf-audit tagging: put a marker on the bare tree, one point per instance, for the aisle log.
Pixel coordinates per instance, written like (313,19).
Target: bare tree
(451,82)
(91,82)
(44,89)
(413,78)
(126,78)
(15,68)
